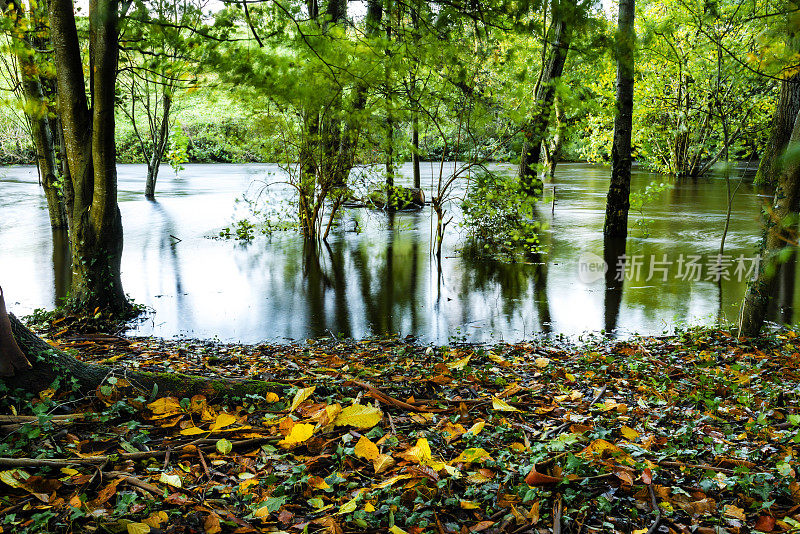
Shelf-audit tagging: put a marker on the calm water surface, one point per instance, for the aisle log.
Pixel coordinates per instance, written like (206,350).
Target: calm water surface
(376,275)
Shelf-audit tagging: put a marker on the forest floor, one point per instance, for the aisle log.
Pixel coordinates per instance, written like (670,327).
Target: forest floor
(694,433)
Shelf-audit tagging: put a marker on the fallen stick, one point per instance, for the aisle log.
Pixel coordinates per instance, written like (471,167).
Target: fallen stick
(656,508)
(397,403)
(668,463)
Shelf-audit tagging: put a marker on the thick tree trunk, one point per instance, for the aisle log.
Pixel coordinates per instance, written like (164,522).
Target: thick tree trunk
(96,228)
(618,199)
(782,123)
(777,236)
(36,109)
(560,34)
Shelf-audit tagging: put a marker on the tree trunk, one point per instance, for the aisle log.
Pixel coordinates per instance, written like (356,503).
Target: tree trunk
(415,151)
(778,234)
(554,155)
(50,364)
(96,228)
(159,148)
(782,123)
(36,110)
(560,34)
(618,199)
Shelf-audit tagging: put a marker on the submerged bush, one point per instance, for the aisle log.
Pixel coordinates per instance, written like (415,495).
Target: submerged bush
(500,218)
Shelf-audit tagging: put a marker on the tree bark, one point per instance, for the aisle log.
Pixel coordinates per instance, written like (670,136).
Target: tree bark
(96,227)
(557,144)
(780,222)
(159,148)
(50,364)
(560,34)
(36,109)
(782,123)
(618,199)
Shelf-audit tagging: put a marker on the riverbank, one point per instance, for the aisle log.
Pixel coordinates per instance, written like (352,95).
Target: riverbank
(690,433)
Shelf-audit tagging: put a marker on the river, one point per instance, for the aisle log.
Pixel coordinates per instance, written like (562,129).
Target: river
(376,274)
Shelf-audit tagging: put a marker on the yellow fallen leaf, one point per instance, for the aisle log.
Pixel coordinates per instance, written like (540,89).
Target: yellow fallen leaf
(419,453)
(349,507)
(397,530)
(366,449)
(496,359)
(14,477)
(382,463)
(299,433)
(629,433)
(192,430)
(478,478)
(476,428)
(541,363)
(271,397)
(460,364)
(171,480)
(359,416)
(223,420)
(469,505)
(69,471)
(392,481)
(137,528)
(261,512)
(156,518)
(503,406)
(165,407)
(473,455)
(300,397)
(369,508)
(318,483)
(452,431)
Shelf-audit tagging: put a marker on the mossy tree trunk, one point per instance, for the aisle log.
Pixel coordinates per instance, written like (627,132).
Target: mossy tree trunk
(88,133)
(25,44)
(50,364)
(782,123)
(781,223)
(559,35)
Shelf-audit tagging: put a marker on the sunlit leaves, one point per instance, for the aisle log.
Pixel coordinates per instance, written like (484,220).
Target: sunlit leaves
(301,396)
(359,416)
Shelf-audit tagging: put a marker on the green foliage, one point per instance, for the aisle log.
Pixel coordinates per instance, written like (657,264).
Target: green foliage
(639,201)
(500,217)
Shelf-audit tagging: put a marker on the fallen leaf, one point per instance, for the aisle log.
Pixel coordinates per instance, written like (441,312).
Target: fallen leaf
(503,406)
(734,511)
(538,479)
(366,449)
(301,395)
(299,433)
(172,480)
(223,420)
(472,455)
(459,365)
(359,416)
(138,528)
(224,446)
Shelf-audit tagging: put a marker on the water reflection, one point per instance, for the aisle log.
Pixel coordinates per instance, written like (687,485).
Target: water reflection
(376,274)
